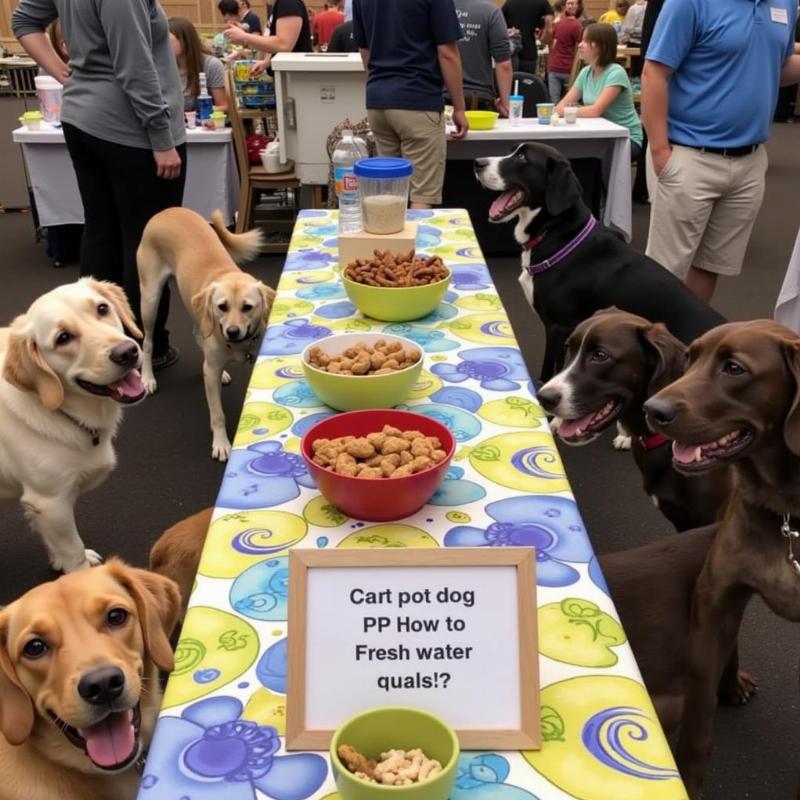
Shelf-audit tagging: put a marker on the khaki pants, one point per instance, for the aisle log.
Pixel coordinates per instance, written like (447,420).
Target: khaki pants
(703,209)
(420,137)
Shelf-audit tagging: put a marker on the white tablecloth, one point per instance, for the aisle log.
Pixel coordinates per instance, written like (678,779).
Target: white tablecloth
(587,138)
(212,180)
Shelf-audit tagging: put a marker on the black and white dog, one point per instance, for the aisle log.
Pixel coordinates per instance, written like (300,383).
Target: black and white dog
(576,264)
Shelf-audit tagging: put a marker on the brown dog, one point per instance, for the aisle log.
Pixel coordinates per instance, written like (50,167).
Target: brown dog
(79,696)
(739,403)
(614,362)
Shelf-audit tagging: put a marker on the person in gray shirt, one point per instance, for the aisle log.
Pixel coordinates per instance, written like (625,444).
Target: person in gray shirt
(122,116)
(485,40)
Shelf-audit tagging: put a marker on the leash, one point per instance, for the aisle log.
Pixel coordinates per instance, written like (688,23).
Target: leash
(652,441)
(93,432)
(559,256)
(790,535)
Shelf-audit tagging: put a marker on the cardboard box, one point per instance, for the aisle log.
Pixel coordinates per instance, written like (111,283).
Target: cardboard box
(363,244)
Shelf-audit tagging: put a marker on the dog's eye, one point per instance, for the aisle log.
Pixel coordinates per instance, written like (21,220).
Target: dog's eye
(102,309)
(223,306)
(731,367)
(247,307)
(117,617)
(64,338)
(599,355)
(35,648)
(521,156)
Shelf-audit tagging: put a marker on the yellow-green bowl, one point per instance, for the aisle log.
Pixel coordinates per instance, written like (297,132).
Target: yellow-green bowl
(380,729)
(356,392)
(481,120)
(396,304)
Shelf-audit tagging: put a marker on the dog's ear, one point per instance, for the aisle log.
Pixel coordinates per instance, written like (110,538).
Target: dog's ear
(203,312)
(158,603)
(16,706)
(669,352)
(267,299)
(26,368)
(563,189)
(117,297)
(791,425)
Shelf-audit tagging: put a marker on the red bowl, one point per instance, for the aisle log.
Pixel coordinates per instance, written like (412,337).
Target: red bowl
(378,499)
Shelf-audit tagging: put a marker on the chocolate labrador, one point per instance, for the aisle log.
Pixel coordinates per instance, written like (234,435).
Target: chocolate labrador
(614,362)
(737,403)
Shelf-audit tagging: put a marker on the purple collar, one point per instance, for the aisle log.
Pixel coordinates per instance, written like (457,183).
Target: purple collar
(558,257)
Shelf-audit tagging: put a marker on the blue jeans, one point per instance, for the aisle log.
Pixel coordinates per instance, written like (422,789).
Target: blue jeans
(557,85)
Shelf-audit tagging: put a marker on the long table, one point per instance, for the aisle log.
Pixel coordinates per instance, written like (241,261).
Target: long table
(589,137)
(212,180)
(220,732)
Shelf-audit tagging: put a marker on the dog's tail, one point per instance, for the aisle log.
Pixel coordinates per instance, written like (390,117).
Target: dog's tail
(241,246)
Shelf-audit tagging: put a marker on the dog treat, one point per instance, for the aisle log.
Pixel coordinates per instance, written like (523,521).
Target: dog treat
(384,213)
(379,359)
(396,767)
(392,270)
(391,453)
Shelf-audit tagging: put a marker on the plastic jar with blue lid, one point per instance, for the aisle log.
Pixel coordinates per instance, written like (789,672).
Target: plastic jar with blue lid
(383,190)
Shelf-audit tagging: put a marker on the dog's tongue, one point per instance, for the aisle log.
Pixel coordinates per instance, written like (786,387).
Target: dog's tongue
(129,386)
(111,741)
(568,427)
(684,453)
(499,206)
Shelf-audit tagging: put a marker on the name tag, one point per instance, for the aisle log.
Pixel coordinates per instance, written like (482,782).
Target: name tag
(779,15)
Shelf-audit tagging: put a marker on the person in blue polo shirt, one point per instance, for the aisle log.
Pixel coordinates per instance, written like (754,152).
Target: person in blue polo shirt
(709,89)
(410,50)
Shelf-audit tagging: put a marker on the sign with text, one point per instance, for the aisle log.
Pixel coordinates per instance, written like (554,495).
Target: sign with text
(452,631)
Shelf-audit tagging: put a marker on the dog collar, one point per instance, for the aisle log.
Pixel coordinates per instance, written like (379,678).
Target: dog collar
(560,255)
(652,441)
(790,534)
(93,432)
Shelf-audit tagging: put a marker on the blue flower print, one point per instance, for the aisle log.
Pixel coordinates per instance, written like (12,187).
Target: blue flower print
(272,667)
(496,368)
(309,259)
(263,475)
(462,425)
(419,213)
(339,310)
(455,491)
(596,574)
(296,394)
(442,313)
(304,424)
(430,341)
(322,291)
(291,336)
(458,396)
(471,277)
(482,776)
(210,752)
(262,591)
(550,524)
(428,236)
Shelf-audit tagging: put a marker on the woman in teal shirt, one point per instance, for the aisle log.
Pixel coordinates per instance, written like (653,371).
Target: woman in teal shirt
(602,87)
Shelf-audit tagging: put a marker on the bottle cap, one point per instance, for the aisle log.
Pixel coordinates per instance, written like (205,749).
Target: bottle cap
(516,98)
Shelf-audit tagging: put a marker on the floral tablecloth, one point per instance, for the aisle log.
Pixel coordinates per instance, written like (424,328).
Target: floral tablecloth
(220,730)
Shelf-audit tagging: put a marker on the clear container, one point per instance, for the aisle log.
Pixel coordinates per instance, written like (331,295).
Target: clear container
(516,103)
(49,91)
(349,149)
(383,189)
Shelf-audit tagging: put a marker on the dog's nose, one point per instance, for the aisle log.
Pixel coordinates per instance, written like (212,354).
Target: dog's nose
(548,398)
(481,163)
(101,687)
(660,411)
(125,354)
(232,332)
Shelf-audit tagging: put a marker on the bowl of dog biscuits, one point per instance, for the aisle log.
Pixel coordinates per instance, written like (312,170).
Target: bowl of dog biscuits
(378,465)
(351,371)
(393,750)
(396,287)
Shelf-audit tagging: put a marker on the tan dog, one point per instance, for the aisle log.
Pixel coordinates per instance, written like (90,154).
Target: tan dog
(67,368)
(230,308)
(79,691)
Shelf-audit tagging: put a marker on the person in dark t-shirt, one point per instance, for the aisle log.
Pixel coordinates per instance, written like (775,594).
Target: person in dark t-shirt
(237,12)
(342,39)
(528,16)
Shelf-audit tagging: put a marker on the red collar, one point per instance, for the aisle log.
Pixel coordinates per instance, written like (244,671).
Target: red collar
(652,441)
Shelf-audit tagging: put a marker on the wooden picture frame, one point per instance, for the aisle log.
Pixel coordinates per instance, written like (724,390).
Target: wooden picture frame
(524,735)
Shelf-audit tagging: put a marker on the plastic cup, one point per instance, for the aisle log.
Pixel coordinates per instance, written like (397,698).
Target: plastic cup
(515,105)
(383,189)
(49,91)
(191,119)
(544,111)
(32,120)
(571,114)
(218,118)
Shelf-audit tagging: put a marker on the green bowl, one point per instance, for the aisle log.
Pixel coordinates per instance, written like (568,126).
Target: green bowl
(356,392)
(396,304)
(380,729)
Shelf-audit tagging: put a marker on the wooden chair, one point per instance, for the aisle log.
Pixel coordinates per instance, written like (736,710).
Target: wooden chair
(255,179)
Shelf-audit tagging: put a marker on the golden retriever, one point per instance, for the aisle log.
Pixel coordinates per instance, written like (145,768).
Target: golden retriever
(79,691)
(66,369)
(230,308)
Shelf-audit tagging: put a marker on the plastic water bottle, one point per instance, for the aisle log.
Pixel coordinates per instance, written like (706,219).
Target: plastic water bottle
(349,149)
(204,105)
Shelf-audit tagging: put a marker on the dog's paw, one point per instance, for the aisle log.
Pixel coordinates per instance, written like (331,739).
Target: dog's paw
(742,692)
(226,377)
(220,449)
(150,382)
(622,442)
